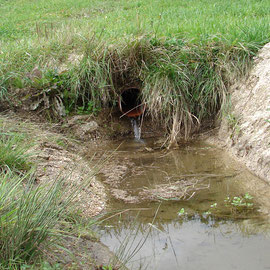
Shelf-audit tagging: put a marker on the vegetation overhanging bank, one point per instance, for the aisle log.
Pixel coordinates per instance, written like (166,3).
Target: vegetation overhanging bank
(182,56)
(182,84)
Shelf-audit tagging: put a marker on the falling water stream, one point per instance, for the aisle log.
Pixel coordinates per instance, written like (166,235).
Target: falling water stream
(201,231)
(136,129)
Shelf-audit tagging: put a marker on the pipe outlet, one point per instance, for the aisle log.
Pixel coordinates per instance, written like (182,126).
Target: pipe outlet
(130,103)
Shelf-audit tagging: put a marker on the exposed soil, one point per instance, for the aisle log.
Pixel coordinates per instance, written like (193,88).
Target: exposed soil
(84,254)
(57,156)
(245,130)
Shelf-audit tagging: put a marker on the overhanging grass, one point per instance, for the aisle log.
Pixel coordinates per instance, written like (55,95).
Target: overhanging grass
(183,54)
(181,83)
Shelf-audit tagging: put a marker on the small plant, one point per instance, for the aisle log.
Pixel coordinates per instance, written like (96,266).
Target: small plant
(61,143)
(106,267)
(234,205)
(233,123)
(182,212)
(214,205)
(207,213)
(240,202)
(89,109)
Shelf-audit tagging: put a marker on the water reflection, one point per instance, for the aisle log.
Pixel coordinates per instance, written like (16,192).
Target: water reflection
(191,242)
(202,237)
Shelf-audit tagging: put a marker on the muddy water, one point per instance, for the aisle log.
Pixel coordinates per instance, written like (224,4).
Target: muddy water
(200,228)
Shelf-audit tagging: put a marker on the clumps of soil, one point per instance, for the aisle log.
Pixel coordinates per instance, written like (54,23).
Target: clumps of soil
(183,189)
(115,174)
(84,254)
(83,127)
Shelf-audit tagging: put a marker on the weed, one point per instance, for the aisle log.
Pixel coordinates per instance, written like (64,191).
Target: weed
(233,123)
(207,213)
(13,152)
(181,212)
(233,206)
(240,202)
(88,109)
(61,143)
(214,205)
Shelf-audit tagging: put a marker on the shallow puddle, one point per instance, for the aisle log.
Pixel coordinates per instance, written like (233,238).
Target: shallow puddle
(190,208)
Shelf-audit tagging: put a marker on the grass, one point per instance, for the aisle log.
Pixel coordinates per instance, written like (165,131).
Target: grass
(28,218)
(33,216)
(182,54)
(13,152)
(194,20)
(28,212)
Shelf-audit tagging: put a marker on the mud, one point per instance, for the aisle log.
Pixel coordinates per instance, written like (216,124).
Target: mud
(139,173)
(82,253)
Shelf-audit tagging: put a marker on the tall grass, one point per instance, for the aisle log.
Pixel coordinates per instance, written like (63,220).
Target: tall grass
(182,54)
(33,214)
(28,212)
(13,152)
(28,218)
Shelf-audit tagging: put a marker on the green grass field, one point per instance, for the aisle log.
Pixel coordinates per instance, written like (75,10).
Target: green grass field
(184,53)
(194,20)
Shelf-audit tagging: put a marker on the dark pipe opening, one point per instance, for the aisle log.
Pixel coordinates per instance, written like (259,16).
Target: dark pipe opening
(130,103)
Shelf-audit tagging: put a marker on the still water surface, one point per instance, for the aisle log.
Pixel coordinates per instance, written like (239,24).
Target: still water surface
(202,237)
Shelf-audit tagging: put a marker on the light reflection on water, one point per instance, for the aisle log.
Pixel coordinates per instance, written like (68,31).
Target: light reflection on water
(194,240)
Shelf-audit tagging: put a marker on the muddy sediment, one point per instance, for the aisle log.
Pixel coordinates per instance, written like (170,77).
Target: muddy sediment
(135,175)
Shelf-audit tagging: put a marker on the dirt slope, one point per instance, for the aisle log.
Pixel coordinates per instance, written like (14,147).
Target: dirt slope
(246,127)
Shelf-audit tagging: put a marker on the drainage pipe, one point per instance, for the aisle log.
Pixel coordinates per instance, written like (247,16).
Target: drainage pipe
(130,103)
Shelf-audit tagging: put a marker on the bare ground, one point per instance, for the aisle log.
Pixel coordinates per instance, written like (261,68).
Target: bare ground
(245,128)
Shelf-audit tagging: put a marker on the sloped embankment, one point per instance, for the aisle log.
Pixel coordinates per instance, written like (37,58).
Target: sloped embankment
(246,128)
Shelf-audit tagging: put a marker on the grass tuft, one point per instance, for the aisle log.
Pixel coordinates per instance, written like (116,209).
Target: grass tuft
(28,218)
(13,152)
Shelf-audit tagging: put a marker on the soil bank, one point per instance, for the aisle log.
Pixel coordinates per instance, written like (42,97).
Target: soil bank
(245,127)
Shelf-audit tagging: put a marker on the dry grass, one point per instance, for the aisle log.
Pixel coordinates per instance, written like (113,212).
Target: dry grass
(183,189)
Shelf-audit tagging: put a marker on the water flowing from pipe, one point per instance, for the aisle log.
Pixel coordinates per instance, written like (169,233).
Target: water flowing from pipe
(136,129)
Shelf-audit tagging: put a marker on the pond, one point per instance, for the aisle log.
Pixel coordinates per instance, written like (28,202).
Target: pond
(188,208)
